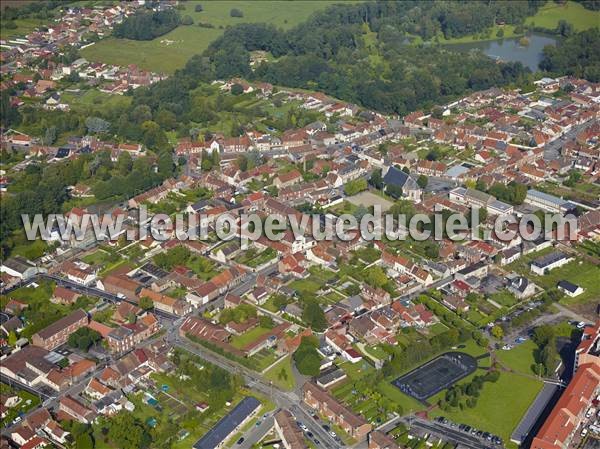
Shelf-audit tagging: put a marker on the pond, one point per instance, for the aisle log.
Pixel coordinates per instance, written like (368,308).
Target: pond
(511,50)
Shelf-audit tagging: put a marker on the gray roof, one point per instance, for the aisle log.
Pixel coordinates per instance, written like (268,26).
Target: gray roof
(456,171)
(569,286)
(219,433)
(544,261)
(545,197)
(397,177)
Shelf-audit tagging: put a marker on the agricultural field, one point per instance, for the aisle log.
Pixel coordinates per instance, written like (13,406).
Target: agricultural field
(171,51)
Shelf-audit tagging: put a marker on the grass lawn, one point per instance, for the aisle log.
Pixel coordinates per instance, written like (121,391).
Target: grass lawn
(28,402)
(549,15)
(171,51)
(276,374)
(86,100)
(263,359)
(501,405)
(407,403)
(241,341)
(509,31)
(520,358)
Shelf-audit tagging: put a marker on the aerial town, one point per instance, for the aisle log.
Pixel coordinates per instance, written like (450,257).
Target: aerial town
(136,340)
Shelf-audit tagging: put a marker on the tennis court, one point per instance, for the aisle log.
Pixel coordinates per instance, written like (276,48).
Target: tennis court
(436,375)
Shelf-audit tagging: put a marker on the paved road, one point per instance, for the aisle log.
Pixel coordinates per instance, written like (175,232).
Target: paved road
(552,149)
(283,399)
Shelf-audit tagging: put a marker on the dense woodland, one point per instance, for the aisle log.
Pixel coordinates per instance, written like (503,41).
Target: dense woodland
(146,25)
(578,55)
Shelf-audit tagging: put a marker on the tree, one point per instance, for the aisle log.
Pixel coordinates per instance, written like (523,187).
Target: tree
(500,33)
(83,338)
(422,181)
(84,441)
(353,187)
(313,315)
(307,358)
(497,332)
(376,179)
(146,303)
(236,13)
(126,432)
(266,321)
(237,89)
(124,163)
(97,125)
(198,8)
(187,20)
(50,135)
(12,338)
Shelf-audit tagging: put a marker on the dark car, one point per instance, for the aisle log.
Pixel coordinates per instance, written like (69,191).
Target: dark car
(310,434)
(326,427)
(240,441)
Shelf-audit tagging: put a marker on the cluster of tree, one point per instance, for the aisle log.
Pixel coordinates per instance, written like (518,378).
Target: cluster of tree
(38,10)
(173,257)
(546,355)
(83,338)
(206,379)
(313,315)
(594,5)
(465,395)
(575,56)
(239,314)
(82,434)
(147,25)
(125,431)
(574,177)
(355,186)
(306,357)
(512,193)
(42,188)
(141,178)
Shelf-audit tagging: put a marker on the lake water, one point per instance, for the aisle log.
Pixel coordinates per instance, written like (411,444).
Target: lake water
(510,49)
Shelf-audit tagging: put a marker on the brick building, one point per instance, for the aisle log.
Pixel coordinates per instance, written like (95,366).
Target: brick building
(354,425)
(56,334)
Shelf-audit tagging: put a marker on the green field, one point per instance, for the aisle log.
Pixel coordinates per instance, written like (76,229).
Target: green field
(24,26)
(172,50)
(501,405)
(551,13)
(282,375)
(241,341)
(520,358)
